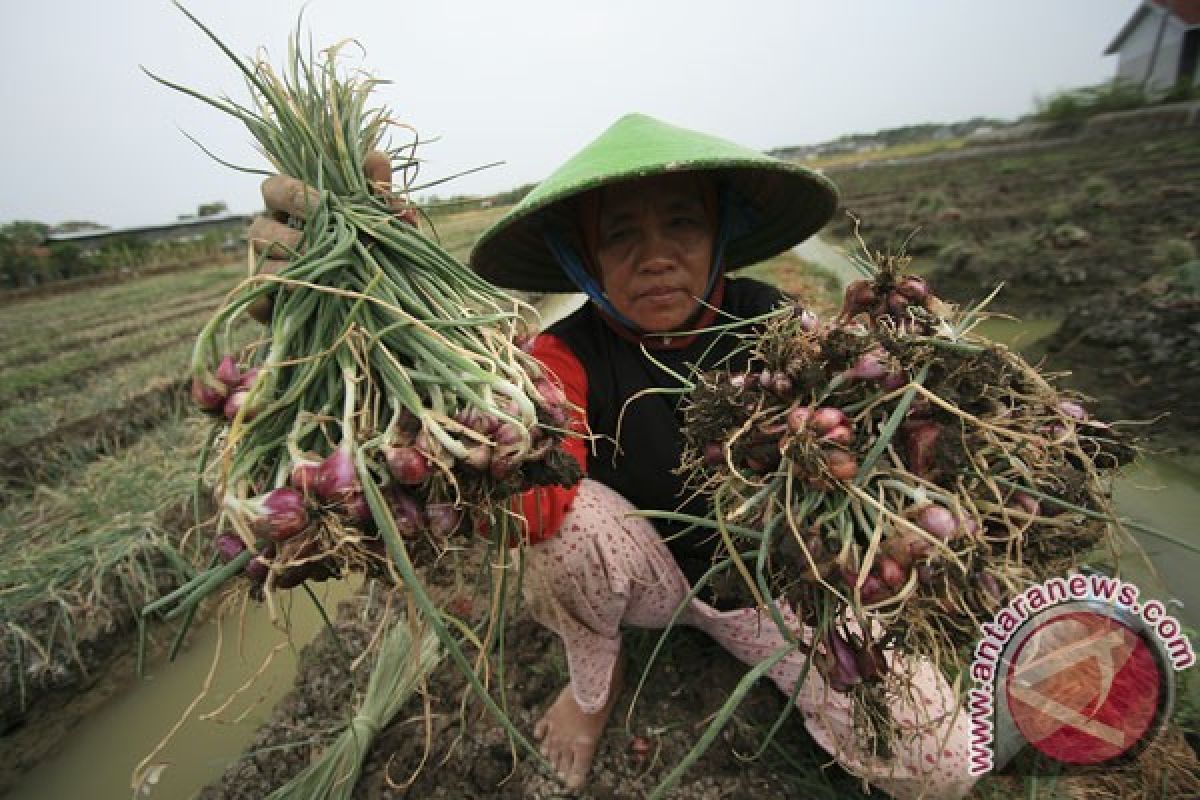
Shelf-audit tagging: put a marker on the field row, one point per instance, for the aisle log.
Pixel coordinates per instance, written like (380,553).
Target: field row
(75,311)
(55,344)
(1014,181)
(71,371)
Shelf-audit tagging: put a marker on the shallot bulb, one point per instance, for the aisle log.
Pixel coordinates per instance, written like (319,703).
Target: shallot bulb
(868,367)
(249,377)
(279,514)
(208,397)
(874,590)
(407,514)
(843,673)
(872,664)
(478,457)
(444,519)
(937,521)
(236,403)
(714,454)
(553,401)
(914,288)
(228,372)
(893,381)
(1024,502)
(407,465)
(860,296)
(229,546)
(797,418)
(1071,409)
(258,568)
(477,420)
(337,478)
(843,466)
(841,436)
(897,304)
(991,588)
(304,475)
(827,418)
(891,573)
(358,509)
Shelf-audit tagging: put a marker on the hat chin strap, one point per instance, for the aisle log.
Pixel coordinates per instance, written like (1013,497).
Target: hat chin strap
(568,258)
(734,218)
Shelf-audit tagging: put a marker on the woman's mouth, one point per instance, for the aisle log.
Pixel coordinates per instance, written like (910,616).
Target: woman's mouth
(657,292)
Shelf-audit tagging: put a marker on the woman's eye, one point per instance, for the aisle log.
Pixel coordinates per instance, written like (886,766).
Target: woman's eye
(616,235)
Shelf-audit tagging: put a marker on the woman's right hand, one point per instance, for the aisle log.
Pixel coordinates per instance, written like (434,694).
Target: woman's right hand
(288,201)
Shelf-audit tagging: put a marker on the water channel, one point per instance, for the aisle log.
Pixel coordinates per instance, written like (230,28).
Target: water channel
(98,758)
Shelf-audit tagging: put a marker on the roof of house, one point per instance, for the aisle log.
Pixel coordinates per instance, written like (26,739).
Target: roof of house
(193,222)
(1188,12)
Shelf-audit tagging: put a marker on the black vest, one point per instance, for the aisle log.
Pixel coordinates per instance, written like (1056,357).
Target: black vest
(643,468)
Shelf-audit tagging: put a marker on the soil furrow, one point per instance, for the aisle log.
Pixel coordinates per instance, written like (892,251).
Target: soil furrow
(81,342)
(48,458)
(73,381)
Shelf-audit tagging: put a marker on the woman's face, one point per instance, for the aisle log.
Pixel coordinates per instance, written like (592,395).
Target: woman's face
(654,249)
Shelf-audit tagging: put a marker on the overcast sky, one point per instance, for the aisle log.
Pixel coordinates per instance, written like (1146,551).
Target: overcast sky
(86,135)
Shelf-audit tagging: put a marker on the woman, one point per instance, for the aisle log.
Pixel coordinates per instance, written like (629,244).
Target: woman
(646,221)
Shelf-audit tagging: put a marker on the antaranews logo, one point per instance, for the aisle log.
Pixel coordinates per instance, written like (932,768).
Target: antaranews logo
(1076,668)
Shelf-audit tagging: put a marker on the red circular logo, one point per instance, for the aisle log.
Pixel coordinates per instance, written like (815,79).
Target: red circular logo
(1083,688)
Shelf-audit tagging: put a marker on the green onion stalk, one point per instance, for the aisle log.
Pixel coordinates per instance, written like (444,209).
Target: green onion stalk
(388,367)
(406,655)
(896,478)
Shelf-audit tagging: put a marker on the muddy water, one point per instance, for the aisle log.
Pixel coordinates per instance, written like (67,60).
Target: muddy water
(96,761)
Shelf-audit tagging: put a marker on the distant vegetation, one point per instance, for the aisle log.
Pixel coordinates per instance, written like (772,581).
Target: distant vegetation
(435,205)
(1076,105)
(892,138)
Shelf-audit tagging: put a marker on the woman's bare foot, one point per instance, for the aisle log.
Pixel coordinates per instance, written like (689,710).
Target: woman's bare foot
(569,735)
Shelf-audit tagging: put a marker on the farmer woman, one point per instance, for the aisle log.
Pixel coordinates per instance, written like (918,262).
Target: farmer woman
(647,221)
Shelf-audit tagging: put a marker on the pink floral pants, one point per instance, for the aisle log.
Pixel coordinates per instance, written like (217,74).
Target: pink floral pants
(606,569)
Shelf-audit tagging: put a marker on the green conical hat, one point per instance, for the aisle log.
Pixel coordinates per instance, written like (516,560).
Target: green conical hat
(787,202)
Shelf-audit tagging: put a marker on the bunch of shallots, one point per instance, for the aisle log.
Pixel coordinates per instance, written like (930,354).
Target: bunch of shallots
(897,476)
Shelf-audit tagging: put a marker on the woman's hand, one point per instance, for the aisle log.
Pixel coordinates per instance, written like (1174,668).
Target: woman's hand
(289,200)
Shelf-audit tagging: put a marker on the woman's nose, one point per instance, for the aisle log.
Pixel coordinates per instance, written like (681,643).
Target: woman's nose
(658,251)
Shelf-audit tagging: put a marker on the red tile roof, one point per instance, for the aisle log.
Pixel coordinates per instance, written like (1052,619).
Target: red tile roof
(1186,10)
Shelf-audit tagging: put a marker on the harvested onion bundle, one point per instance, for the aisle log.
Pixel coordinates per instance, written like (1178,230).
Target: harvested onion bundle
(391,406)
(896,478)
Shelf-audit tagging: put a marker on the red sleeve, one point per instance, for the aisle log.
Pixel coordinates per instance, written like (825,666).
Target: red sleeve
(545,506)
